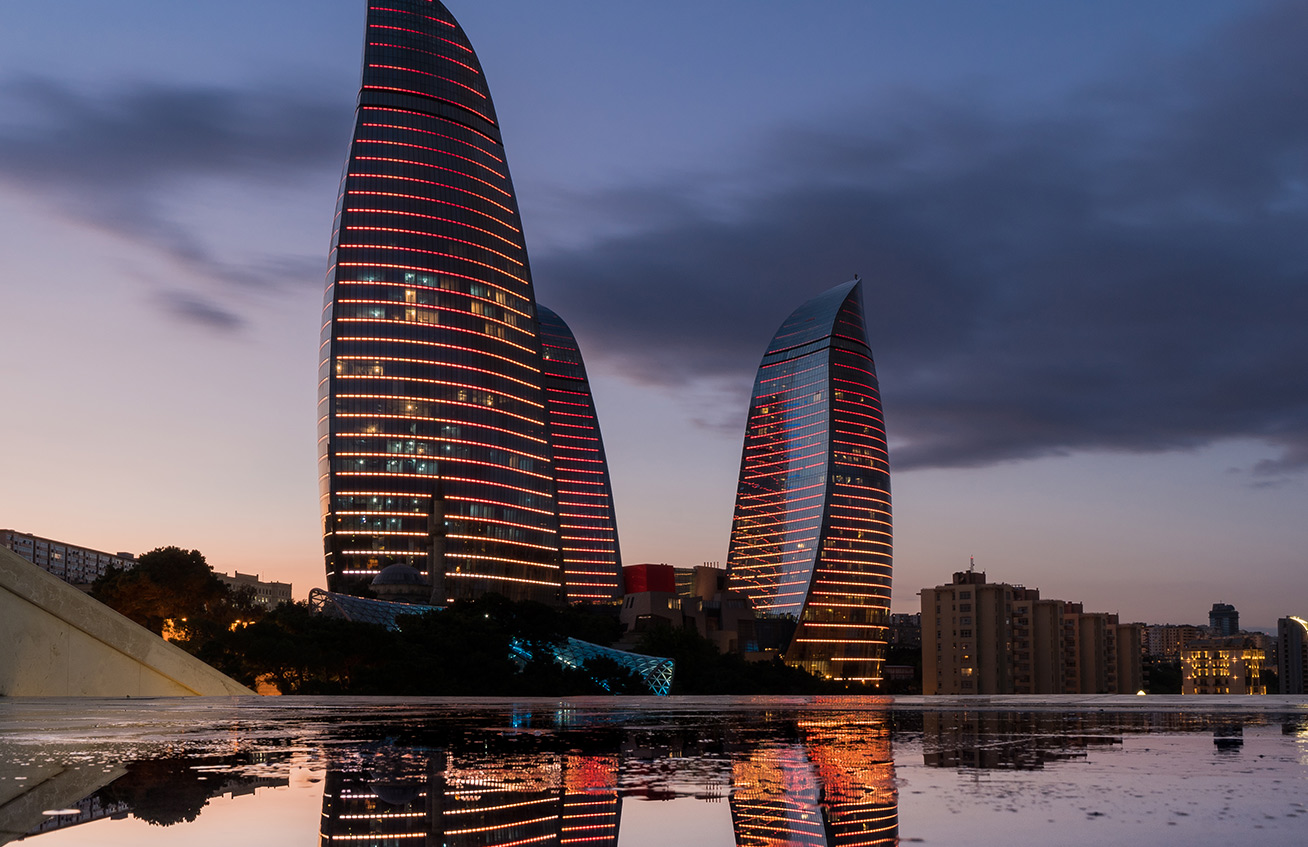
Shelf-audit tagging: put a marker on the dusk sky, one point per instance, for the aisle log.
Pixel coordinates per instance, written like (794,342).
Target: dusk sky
(1083,230)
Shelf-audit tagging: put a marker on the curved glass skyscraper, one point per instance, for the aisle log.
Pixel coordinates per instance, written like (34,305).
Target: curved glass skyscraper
(811,534)
(588,527)
(433,443)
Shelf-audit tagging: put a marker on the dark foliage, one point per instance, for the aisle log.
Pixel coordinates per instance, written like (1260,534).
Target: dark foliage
(172,587)
(161,792)
(910,656)
(464,650)
(1162,676)
(702,669)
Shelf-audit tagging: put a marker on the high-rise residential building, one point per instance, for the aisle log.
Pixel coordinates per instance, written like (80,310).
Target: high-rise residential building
(966,629)
(811,532)
(1167,640)
(982,637)
(588,525)
(1037,627)
(1224,620)
(433,435)
(1292,654)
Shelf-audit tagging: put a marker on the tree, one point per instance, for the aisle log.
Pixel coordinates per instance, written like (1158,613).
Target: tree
(169,585)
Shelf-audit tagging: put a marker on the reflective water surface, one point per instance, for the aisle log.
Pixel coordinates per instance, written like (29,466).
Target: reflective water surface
(631,772)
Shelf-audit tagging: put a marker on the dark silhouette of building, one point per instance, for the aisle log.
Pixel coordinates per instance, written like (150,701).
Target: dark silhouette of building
(1224,620)
(588,524)
(433,435)
(811,533)
(1292,654)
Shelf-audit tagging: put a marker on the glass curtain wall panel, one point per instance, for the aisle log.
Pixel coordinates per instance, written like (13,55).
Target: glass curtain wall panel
(811,533)
(592,563)
(433,444)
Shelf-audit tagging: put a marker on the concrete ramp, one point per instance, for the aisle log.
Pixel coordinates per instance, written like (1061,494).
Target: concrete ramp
(44,787)
(56,641)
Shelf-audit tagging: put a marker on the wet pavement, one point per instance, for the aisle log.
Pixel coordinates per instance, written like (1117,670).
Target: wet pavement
(631,772)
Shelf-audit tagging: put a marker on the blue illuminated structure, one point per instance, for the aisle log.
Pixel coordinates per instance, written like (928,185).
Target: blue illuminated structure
(655,671)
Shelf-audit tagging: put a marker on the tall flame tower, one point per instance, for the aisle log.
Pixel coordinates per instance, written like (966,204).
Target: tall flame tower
(811,535)
(433,443)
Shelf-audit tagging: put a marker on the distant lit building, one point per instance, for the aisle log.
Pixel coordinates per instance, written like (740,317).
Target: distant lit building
(1224,620)
(1292,654)
(811,531)
(980,637)
(1223,665)
(70,562)
(267,594)
(906,630)
(1166,641)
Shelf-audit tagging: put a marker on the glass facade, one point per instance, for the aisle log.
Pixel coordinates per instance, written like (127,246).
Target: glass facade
(592,563)
(811,533)
(432,430)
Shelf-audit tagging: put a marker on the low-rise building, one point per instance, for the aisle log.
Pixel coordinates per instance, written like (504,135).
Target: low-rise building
(660,595)
(268,594)
(1224,665)
(70,562)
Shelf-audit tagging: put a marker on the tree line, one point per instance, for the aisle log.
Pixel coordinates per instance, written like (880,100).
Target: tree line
(462,650)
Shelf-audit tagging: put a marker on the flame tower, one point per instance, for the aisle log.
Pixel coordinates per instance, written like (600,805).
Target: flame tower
(811,534)
(433,444)
(588,525)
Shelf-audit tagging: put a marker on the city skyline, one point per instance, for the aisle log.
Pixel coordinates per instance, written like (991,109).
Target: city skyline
(1080,231)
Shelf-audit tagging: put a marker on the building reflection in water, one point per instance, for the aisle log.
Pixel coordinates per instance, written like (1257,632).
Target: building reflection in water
(433,798)
(1011,740)
(1030,740)
(833,787)
(825,781)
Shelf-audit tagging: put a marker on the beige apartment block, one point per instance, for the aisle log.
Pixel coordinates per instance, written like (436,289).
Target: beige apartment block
(1037,643)
(966,628)
(994,638)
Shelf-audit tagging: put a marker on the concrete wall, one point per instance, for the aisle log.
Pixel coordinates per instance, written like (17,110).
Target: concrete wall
(58,642)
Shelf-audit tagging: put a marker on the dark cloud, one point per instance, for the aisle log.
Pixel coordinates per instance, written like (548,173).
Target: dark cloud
(136,162)
(152,135)
(197,310)
(1126,270)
